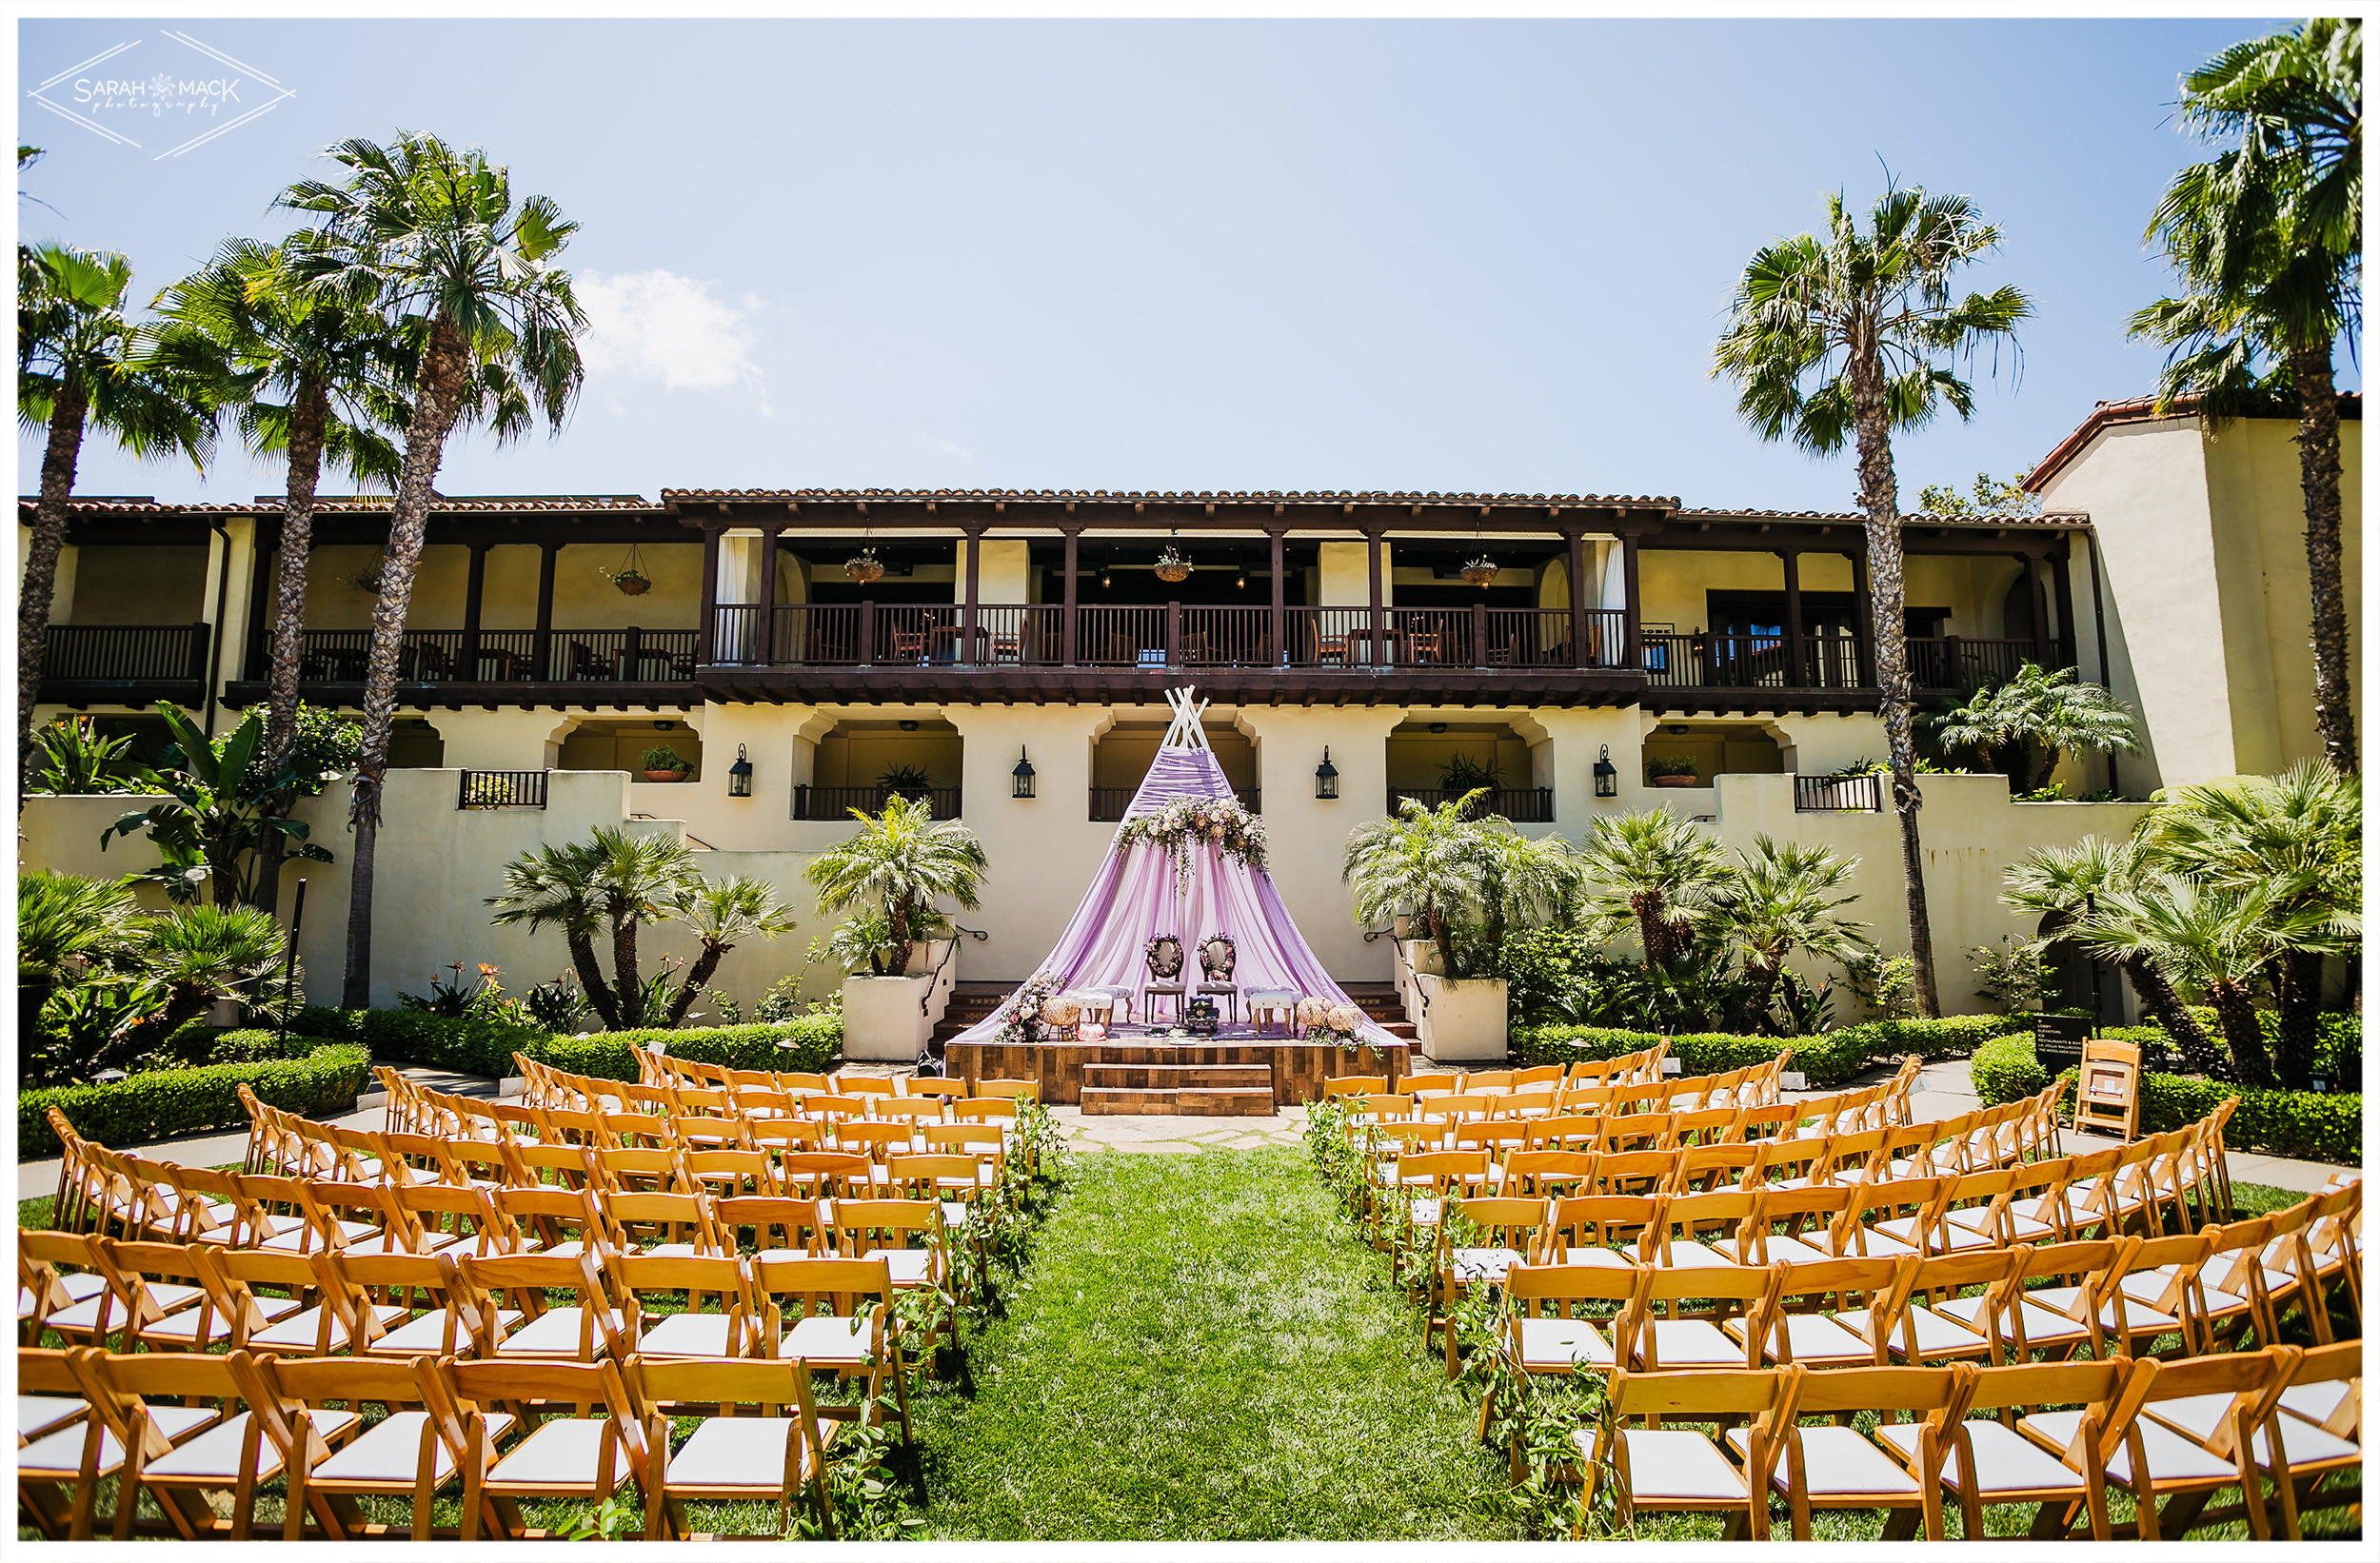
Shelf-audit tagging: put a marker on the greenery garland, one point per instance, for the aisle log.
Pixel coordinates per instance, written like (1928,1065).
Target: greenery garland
(1216,821)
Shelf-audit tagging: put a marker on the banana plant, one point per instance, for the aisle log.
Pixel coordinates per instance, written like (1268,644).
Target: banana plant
(221,802)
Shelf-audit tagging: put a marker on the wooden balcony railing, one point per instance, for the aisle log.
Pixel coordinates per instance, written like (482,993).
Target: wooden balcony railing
(122,653)
(1521,805)
(506,656)
(1957,662)
(811,802)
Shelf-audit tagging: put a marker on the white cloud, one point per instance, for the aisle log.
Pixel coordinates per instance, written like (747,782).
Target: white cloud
(659,326)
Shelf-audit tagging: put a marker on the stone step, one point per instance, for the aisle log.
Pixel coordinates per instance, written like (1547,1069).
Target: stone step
(1191,1104)
(1179,1076)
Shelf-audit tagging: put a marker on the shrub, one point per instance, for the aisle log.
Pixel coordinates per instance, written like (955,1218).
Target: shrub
(1828,1059)
(469,1044)
(815,1040)
(159,1105)
(2005,1070)
(2293,1123)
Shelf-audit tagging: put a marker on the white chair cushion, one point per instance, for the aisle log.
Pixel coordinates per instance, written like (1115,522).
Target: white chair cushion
(687,1335)
(560,1452)
(1685,1255)
(828,1338)
(80,1286)
(2313,1402)
(1604,1258)
(1936,1335)
(1814,1337)
(743,1455)
(556,1332)
(40,1414)
(427,1335)
(1473,1265)
(1798,1249)
(390,1454)
(1837,1462)
(2201,1417)
(214,1455)
(1673,1465)
(2005,1461)
(1556,1343)
(1688,1343)
(2172,1457)
(59,1455)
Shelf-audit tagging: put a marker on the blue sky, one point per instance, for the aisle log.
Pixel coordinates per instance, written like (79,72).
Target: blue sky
(1183,255)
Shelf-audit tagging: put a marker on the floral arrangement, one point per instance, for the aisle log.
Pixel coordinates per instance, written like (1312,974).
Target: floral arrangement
(1148,952)
(1027,1009)
(1221,821)
(1328,1023)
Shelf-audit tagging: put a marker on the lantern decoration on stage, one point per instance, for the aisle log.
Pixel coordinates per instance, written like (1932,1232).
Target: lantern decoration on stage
(1326,777)
(739,776)
(1606,775)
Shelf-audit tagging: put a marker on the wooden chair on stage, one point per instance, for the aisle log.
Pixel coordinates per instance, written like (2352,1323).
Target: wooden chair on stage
(1219,957)
(1164,959)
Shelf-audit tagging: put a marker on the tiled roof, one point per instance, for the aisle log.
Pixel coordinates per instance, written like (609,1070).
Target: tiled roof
(2142,410)
(142,504)
(1167,497)
(1915,518)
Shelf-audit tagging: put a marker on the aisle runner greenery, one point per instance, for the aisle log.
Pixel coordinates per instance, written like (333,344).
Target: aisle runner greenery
(1206,1352)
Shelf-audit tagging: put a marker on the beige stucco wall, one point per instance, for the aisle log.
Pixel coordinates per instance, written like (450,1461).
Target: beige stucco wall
(1345,575)
(129,585)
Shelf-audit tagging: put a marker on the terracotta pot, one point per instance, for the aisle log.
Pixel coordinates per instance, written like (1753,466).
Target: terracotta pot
(664,775)
(1678,781)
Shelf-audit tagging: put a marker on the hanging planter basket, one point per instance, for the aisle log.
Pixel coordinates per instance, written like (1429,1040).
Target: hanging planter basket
(864,568)
(1479,572)
(630,577)
(1172,566)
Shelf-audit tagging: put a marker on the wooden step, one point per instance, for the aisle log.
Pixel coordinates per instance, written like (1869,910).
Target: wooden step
(1189,1103)
(1178,1077)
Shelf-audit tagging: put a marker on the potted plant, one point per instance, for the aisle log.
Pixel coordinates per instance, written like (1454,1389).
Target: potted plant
(892,873)
(865,566)
(1675,771)
(908,781)
(630,577)
(1479,572)
(1173,565)
(663,763)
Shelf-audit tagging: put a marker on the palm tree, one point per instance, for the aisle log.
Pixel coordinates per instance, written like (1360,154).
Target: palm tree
(66,924)
(1775,900)
(431,239)
(1427,859)
(2213,938)
(1655,868)
(724,913)
(2267,242)
(613,879)
(1855,335)
(2297,838)
(904,862)
(2026,725)
(2059,888)
(79,365)
(1524,880)
(309,380)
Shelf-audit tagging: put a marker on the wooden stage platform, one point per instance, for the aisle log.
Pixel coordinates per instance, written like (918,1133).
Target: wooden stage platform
(1233,1074)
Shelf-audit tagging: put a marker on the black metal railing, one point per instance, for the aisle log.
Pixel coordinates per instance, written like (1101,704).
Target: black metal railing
(502,790)
(1960,662)
(124,652)
(811,802)
(1522,805)
(1838,793)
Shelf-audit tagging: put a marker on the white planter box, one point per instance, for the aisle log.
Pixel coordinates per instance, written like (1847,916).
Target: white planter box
(881,1021)
(1461,1021)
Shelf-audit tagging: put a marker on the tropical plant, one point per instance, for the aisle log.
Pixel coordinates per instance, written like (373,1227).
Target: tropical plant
(1469,877)
(2215,938)
(430,239)
(1461,773)
(66,925)
(556,1005)
(903,863)
(724,914)
(1849,336)
(1989,496)
(660,757)
(2012,976)
(615,881)
(1880,982)
(1676,764)
(74,759)
(80,365)
(2267,243)
(2024,726)
(863,943)
(1524,882)
(2298,839)
(1652,869)
(907,780)
(216,807)
(1775,900)
(179,963)
(2059,887)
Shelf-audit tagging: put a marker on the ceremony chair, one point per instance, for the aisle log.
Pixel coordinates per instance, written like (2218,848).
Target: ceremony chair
(836,1315)
(777,1455)
(1836,1466)
(1672,1469)
(1984,1462)
(414,1451)
(586,1458)
(1699,1340)
(730,1329)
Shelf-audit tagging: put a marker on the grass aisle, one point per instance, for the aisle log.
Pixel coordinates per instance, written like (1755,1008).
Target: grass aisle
(1205,1353)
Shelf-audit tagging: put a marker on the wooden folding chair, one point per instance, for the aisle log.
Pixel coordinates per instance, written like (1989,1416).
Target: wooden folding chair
(1671,1469)
(2062,1318)
(906,1235)
(67,1444)
(581,1331)
(1859,1298)
(586,1458)
(731,1457)
(835,1314)
(1616,1231)
(1836,1466)
(63,1286)
(1918,1334)
(1699,1340)
(1499,1233)
(2319,1436)
(1984,1462)
(1717,1228)
(1548,1174)
(728,1329)
(403,1305)
(414,1451)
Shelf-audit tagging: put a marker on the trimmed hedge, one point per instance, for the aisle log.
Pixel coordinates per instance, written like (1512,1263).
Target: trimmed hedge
(474,1046)
(2005,1070)
(1829,1058)
(166,1102)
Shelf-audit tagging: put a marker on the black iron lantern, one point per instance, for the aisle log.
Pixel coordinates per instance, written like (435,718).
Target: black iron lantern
(1606,775)
(1023,776)
(739,776)
(1326,777)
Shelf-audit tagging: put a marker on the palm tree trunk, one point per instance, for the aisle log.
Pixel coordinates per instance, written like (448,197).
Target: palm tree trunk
(627,980)
(2301,1017)
(2318,472)
(307,415)
(897,928)
(1879,497)
(1653,928)
(697,975)
(591,983)
(41,560)
(446,375)
(2158,998)
(2237,1010)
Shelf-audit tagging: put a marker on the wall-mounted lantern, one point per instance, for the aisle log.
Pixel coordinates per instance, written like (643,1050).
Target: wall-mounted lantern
(1023,776)
(1606,775)
(1326,777)
(739,776)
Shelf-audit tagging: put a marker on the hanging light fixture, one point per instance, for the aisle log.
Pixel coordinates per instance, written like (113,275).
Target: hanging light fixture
(739,776)
(1243,575)
(1606,775)
(1106,577)
(1326,776)
(865,566)
(1173,565)
(1480,569)
(1022,778)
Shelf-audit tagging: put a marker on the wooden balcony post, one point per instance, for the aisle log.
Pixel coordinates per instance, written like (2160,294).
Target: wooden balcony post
(1577,572)
(474,588)
(706,637)
(975,576)
(1374,538)
(202,639)
(2040,610)
(868,633)
(1479,636)
(2062,589)
(768,630)
(1633,633)
(1172,635)
(1795,674)
(1863,618)
(1280,630)
(264,596)
(632,656)
(547,553)
(1065,626)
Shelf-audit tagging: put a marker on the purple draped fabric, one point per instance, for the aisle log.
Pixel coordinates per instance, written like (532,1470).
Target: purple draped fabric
(1136,895)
